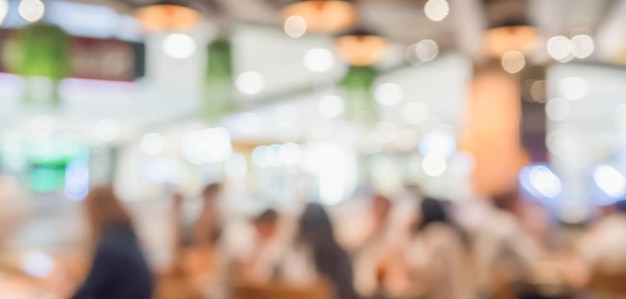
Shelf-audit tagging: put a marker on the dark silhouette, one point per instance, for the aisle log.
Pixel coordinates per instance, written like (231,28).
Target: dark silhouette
(331,261)
(119,269)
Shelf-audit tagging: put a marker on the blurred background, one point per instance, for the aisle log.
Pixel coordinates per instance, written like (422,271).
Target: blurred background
(293,102)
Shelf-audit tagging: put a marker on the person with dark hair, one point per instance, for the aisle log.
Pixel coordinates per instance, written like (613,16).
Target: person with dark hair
(119,268)
(267,246)
(437,259)
(330,261)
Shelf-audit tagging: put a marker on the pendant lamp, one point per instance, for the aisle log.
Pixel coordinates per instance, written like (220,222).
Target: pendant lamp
(168,15)
(512,35)
(323,16)
(361,48)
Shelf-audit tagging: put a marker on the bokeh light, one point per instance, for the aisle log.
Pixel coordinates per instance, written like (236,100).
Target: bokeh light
(422,51)
(538,91)
(582,46)
(331,106)
(38,264)
(434,165)
(77,180)
(152,144)
(610,181)
(250,83)
(559,47)
(290,153)
(540,181)
(4,9)
(513,61)
(179,46)
(388,94)
(295,26)
(319,60)
(439,142)
(258,156)
(207,146)
(437,10)
(32,10)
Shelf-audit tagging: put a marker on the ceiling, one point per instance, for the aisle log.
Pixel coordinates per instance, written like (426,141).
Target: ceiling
(404,20)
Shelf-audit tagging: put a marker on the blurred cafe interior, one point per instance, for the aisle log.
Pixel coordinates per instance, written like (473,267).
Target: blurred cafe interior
(323,149)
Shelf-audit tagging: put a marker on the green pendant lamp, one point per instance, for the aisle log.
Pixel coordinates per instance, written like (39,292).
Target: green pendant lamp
(219,99)
(40,50)
(361,50)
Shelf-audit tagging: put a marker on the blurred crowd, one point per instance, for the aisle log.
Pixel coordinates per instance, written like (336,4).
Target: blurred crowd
(403,246)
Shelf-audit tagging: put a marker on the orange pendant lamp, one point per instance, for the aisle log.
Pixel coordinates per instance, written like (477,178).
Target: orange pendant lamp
(361,48)
(323,16)
(512,35)
(168,15)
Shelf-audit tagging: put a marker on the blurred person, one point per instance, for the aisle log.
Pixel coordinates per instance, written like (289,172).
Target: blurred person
(196,241)
(600,250)
(208,227)
(119,269)
(505,253)
(375,259)
(437,258)
(259,258)
(318,255)
(14,208)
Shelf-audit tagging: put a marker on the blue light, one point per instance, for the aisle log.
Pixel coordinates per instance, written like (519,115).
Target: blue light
(540,182)
(77,180)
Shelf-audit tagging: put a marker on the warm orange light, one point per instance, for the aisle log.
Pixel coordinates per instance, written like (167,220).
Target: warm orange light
(503,39)
(361,50)
(323,16)
(491,130)
(168,17)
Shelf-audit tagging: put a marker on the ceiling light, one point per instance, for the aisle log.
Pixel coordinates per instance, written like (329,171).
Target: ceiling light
(179,46)
(167,15)
(319,16)
(319,60)
(295,26)
(437,10)
(32,10)
(388,94)
(510,36)
(582,46)
(250,83)
(513,61)
(559,47)
(361,48)
(434,165)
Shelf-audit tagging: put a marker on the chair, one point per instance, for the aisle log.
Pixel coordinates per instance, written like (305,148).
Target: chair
(278,290)
(176,288)
(608,285)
